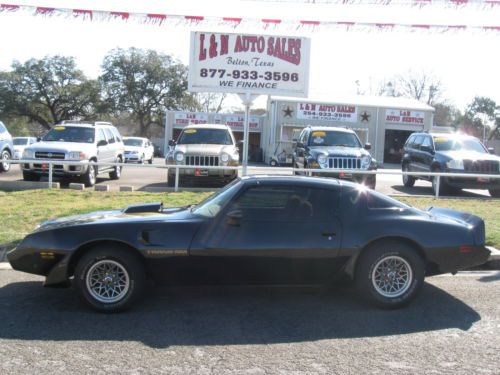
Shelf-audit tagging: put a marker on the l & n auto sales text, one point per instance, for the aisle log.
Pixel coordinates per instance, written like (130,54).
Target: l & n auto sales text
(287,49)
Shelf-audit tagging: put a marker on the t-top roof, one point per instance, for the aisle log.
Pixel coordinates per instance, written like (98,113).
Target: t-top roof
(361,100)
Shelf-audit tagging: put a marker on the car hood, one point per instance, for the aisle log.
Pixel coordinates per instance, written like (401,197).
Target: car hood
(340,151)
(61,146)
(204,149)
(117,216)
(469,155)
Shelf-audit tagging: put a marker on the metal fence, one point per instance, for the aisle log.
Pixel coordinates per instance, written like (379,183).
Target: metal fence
(268,170)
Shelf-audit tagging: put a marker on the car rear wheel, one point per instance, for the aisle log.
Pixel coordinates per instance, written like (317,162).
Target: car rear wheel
(90,177)
(495,193)
(109,279)
(408,180)
(5,161)
(390,274)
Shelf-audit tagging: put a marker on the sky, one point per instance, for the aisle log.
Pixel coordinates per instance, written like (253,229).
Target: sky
(466,63)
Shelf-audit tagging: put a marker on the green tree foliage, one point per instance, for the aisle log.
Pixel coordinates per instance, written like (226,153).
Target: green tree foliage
(145,84)
(480,116)
(47,91)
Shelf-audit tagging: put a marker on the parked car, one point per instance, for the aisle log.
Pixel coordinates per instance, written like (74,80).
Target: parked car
(6,148)
(138,150)
(82,143)
(256,229)
(453,153)
(20,143)
(203,145)
(321,147)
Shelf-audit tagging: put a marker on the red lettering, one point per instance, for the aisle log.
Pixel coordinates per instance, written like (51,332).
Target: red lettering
(212,52)
(224,44)
(203,52)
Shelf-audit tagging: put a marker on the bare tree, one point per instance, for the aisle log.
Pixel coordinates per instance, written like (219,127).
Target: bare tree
(211,101)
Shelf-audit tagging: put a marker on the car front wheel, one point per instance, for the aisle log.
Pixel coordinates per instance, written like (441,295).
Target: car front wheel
(109,279)
(117,172)
(90,177)
(408,180)
(390,274)
(5,161)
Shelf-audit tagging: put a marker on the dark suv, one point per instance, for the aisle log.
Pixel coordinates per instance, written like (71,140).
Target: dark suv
(325,147)
(453,153)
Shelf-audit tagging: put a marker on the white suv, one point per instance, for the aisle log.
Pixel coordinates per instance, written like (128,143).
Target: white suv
(79,142)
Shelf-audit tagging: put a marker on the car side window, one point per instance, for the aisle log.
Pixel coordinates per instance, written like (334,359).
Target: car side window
(110,136)
(100,136)
(117,134)
(285,203)
(303,137)
(418,141)
(427,142)
(410,140)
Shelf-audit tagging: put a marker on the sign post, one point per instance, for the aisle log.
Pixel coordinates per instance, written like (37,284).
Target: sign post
(249,65)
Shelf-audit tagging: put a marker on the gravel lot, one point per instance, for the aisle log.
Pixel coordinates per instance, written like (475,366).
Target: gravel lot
(452,328)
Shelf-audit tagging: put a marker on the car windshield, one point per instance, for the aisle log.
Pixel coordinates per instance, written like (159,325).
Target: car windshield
(333,138)
(458,144)
(205,136)
(20,141)
(70,134)
(211,206)
(133,142)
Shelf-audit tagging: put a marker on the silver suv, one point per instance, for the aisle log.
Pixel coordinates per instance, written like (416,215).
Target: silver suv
(204,146)
(6,148)
(79,142)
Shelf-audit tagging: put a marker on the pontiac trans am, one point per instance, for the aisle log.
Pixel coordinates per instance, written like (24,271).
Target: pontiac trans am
(259,229)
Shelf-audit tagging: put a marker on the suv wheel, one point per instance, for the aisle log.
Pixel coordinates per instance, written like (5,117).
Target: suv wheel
(495,193)
(390,274)
(150,161)
(4,163)
(30,176)
(408,180)
(117,172)
(89,178)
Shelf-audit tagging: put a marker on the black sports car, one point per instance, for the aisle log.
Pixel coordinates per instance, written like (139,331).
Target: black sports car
(256,229)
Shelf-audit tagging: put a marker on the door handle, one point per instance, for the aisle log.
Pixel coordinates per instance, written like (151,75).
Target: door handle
(329,234)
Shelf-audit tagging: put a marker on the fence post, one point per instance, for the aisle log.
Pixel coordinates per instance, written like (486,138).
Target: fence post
(176,188)
(438,183)
(50,175)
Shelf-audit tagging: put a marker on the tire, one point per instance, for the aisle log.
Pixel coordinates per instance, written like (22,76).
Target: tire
(89,285)
(4,162)
(117,172)
(30,176)
(90,177)
(150,161)
(495,193)
(408,181)
(370,283)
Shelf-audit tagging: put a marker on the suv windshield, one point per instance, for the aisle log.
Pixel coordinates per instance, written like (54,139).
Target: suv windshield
(133,142)
(70,134)
(205,136)
(333,138)
(456,144)
(20,141)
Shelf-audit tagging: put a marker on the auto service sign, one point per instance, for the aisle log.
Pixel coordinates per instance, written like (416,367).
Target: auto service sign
(243,63)
(404,116)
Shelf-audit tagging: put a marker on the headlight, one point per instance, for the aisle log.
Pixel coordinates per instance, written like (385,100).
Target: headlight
(179,157)
(28,154)
(224,157)
(455,164)
(321,158)
(77,155)
(365,161)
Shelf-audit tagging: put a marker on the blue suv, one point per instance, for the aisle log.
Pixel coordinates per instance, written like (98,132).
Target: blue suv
(6,148)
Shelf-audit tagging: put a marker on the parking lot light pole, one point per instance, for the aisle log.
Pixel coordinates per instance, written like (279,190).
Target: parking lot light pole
(247,100)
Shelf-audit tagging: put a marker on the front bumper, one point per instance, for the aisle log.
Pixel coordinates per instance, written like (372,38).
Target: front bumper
(132,158)
(456,259)
(40,167)
(471,182)
(202,173)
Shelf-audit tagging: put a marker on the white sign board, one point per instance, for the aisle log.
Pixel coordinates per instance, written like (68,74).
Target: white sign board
(327,112)
(190,118)
(237,122)
(404,116)
(242,63)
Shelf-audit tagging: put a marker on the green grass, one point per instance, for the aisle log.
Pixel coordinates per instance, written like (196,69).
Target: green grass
(21,211)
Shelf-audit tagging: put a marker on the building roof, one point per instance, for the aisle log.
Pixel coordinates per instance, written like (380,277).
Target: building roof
(361,100)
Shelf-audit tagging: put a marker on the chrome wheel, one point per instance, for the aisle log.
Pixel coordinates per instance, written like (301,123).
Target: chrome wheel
(5,161)
(392,276)
(107,281)
(91,173)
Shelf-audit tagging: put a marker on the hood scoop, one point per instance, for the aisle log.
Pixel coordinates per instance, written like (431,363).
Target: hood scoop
(147,207)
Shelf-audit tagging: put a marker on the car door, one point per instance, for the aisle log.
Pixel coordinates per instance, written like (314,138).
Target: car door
(102,147)
(416,155)
(427,153)
(110,149)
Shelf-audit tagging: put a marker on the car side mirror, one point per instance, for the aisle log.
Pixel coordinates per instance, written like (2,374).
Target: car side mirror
(491,150)
(171,143)
(368,146)
(234,217)
(102,143)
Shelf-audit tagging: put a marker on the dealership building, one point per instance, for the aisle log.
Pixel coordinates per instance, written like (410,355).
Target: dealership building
(384,122)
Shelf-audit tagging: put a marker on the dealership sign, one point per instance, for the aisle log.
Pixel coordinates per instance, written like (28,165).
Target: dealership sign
(190,118)
(327,112)
(242,63)
(237,122)
(404,116)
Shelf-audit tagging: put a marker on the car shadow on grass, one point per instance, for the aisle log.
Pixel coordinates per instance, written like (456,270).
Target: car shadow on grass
(227,315)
